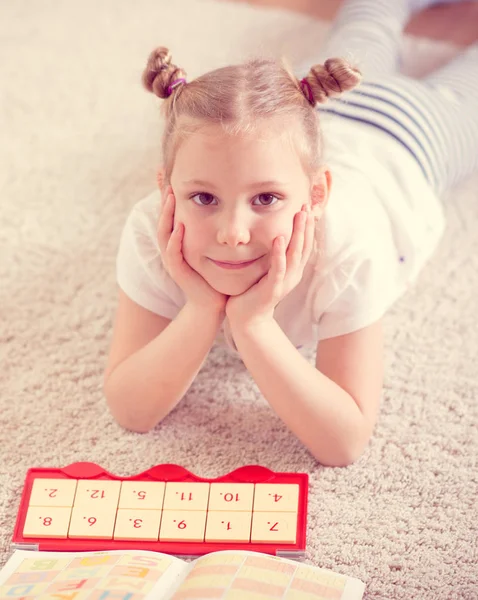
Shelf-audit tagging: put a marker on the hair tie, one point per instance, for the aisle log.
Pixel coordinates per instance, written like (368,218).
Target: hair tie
(174,84)
(307,90)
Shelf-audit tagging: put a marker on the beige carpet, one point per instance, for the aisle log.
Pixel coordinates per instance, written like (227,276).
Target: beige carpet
(79,146)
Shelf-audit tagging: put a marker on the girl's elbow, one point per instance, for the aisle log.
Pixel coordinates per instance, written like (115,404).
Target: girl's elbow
(338,461)
(356,450)
(343,457)
(354,446)
(128,420)
(131,425)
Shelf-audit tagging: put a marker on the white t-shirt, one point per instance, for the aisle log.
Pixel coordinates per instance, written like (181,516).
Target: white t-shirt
(382,223)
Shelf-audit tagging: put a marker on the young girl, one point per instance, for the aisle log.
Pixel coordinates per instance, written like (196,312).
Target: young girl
(260,233)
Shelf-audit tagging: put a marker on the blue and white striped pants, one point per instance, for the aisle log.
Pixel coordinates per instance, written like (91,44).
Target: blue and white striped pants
(435,118)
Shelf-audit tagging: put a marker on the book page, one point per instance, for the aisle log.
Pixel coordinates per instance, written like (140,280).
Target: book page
(114,574)
(242,575)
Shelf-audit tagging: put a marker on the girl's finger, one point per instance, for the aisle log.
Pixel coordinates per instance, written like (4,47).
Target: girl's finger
(174,246)
(174,251)
(296,245)
(166,218)
(278,266)
(164,196)
(308,238)
(165,206)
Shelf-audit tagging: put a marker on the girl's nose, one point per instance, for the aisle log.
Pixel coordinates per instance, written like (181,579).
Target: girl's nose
(233,233)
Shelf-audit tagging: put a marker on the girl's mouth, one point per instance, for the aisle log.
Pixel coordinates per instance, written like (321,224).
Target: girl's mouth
(233,265)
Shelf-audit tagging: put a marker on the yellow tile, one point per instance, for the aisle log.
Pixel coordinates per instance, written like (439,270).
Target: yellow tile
(283,497)
(159,562)
(231,496)
(98,493)
(142,494)
(137,524)
(93,560)
(47,521)
(186,496)
(225,526)
(274,527)
(89,522)
(52,492)
(184,525)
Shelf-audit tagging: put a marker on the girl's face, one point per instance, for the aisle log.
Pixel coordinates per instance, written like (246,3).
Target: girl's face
(235,195)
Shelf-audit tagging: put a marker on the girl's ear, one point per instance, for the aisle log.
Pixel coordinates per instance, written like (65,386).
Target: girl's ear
(321,191)
(160,177)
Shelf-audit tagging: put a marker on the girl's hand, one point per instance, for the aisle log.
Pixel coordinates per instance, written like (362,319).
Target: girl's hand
(285,272)
(196,288)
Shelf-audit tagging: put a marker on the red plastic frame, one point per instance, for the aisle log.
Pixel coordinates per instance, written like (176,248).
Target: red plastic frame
(165,472)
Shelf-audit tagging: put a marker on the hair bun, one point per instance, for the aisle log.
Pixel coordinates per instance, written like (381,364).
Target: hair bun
(160,73)
(332,78)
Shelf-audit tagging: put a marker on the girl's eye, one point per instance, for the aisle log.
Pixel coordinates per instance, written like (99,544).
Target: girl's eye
(208,199)
(267,196)
(204,195)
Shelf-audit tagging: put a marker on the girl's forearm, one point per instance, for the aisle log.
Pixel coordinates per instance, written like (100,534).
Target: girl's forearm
(147,385)
(319,412)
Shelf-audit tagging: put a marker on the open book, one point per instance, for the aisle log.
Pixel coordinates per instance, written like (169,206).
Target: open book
(145,575)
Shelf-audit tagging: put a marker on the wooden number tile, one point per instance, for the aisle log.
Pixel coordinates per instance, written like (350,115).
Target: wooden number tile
(98,493)
(283,497)
(142,494)
(184,525)
(52,492)
(89,522)
(223,526)
(231,496)
(137,524)
(186,496)
(46,521)
(274,527)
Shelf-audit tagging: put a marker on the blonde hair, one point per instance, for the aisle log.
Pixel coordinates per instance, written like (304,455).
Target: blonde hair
(239,97)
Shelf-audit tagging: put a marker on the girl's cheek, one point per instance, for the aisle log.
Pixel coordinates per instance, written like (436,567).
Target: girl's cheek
(285,228)
(179,215)
(193,237)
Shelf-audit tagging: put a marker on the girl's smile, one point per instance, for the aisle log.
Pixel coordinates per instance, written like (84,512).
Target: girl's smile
(234,265)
